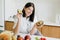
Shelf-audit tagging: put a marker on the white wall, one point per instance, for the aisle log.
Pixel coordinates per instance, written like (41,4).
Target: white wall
(0,11)
(45,9)
(10,8)
(2,14)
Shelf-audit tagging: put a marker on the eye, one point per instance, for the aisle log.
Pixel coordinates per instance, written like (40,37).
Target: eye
(29,9)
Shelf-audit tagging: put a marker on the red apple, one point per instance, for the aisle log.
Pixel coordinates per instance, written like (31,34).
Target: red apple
(42,38)
(19,38)
(27,37)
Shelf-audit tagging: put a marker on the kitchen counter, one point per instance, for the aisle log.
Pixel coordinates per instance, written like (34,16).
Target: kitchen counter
(49,29)
(34,36)
(52,24)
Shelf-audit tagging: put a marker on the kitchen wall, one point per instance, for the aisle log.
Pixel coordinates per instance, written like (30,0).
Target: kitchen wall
(58,13)
(45,9)
(10,8)
(1,14)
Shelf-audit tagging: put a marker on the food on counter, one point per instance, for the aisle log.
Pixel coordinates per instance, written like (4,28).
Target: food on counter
(27,37)
(6,35)
(14,37)
(36,38)
(3,37)
(42,38)
(19,37)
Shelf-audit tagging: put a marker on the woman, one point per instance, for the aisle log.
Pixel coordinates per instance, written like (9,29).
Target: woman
(26,21)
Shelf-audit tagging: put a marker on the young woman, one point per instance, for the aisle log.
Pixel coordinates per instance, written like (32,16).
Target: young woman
(26,20)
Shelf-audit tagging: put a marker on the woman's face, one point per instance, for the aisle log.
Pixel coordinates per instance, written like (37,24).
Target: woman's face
(28,11)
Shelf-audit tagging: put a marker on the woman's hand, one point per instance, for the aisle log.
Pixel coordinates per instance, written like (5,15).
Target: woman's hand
(33,29)
(39,24)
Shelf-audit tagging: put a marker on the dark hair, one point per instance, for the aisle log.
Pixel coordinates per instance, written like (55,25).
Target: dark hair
(31,17)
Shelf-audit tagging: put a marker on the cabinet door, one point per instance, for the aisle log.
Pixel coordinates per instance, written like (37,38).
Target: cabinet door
(9,25)
(51,31)
(45,30)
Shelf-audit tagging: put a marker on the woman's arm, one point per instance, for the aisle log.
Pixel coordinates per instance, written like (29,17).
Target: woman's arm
(33,29)
(15,30)
(39,24)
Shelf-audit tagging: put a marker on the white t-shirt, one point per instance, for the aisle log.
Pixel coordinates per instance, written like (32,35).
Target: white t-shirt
(25,25)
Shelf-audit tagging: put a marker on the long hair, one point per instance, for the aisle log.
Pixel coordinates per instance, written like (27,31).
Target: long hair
(31,17)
